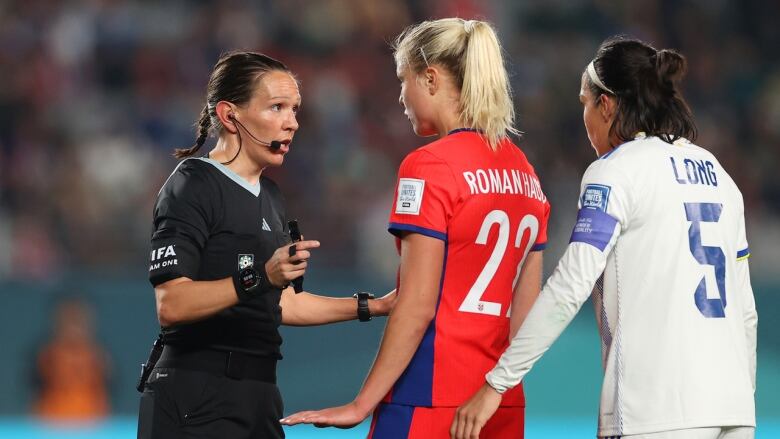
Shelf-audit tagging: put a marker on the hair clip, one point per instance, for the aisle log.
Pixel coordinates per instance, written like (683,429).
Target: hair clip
(422,52)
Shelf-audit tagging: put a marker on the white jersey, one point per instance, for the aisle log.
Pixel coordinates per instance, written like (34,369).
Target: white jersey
(660,241)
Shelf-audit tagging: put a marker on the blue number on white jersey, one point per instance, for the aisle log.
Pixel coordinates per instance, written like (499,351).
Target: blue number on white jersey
(707,255)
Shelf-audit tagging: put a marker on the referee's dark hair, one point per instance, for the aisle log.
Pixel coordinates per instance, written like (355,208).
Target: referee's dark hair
(233,79)
(645,82)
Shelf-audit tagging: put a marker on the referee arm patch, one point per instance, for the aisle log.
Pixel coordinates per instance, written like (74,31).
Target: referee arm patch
(593,227)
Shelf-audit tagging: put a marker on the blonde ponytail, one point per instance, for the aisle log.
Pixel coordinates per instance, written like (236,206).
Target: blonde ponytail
(485,98)
(471,52)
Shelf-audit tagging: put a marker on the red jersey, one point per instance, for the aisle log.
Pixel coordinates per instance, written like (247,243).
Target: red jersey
(489,209)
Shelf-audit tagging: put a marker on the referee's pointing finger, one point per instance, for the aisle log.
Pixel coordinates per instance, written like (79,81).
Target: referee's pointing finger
(305,245)
(298,251)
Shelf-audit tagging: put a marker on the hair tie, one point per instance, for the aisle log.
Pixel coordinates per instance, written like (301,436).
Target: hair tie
(594,77)
(468,25)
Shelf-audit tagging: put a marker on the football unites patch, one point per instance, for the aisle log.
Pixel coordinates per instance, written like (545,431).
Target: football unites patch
(410,194)
(245,261)
(595,196)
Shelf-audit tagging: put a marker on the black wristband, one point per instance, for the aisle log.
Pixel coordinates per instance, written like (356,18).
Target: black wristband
(363,312)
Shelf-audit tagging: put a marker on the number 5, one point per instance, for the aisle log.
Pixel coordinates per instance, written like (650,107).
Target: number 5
(698,213)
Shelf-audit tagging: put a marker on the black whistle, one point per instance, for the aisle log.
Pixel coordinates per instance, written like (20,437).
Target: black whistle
(295,235)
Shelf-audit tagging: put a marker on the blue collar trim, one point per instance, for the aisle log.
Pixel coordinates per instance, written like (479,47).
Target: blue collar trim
(458,130)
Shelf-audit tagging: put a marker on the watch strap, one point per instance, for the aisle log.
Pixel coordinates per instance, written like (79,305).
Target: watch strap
(248,292)
(363,311)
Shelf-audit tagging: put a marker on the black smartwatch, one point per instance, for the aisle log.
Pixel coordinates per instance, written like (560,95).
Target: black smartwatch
(364,314)
(248,283)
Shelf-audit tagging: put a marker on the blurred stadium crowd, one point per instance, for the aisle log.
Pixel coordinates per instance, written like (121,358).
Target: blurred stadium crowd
(95,94)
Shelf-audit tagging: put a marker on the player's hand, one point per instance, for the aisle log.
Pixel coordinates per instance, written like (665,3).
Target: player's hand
(472,416)
(383,305)
(346,416)
(283,267)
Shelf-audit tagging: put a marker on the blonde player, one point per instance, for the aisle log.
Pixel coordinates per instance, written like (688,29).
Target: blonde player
(660,241)
(470,220)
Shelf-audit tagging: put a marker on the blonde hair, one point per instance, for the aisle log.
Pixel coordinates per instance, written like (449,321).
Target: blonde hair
(470,50)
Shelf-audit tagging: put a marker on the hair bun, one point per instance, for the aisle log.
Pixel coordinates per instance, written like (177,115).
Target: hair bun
(670,66)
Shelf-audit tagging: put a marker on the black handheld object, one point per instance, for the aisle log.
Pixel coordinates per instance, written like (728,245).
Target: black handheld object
(146,368)
(295,235)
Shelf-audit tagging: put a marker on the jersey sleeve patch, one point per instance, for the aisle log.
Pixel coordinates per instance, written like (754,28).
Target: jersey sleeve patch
(596,196)
(410,194)
(593,227)
(743,254)
(173,257)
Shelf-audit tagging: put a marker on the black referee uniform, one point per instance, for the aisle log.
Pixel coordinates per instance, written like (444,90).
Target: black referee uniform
(216,377)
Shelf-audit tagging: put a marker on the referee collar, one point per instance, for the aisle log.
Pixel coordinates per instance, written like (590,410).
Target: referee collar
(254,189)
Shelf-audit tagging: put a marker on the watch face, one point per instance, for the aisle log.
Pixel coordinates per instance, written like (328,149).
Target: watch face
(248,278)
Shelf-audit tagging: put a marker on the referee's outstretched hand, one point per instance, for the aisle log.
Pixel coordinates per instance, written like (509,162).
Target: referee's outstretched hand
(345,416)
(283,266)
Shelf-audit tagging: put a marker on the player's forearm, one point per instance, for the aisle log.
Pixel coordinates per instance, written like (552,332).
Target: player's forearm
(183,300)
(558,303)
(403,334)
(420,275)
(528,286)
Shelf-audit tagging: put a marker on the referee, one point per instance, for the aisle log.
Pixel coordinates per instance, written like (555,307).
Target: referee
(221,262)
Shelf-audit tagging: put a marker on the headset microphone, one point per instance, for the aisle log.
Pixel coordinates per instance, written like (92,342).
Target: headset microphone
(274,144)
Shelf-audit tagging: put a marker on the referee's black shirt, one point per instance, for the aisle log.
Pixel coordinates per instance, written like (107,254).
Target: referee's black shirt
(209,223)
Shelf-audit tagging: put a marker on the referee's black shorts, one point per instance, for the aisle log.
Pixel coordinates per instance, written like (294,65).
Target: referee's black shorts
(183,403)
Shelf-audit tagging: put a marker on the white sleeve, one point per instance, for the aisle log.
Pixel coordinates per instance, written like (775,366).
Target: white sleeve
(605,209)
(748,301)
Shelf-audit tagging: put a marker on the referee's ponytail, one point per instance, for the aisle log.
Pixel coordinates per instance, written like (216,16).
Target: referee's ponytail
(204,126)
(471,52)
(233,79)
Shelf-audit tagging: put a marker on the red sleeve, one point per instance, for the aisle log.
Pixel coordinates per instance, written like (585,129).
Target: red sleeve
(541,238)
(425,195)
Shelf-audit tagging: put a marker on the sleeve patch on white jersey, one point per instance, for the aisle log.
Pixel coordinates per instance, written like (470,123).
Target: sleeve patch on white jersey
(595,196)
(593,227)
(410,194)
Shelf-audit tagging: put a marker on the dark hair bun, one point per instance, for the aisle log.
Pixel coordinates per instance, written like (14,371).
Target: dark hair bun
(646,83)
(670,66)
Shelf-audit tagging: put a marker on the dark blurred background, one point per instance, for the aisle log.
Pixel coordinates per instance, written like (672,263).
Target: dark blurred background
(95,94)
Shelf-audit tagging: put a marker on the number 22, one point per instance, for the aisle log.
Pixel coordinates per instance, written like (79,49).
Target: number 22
(473,302)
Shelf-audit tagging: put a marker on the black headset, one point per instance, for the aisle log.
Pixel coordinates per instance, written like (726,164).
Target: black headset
(274,144)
